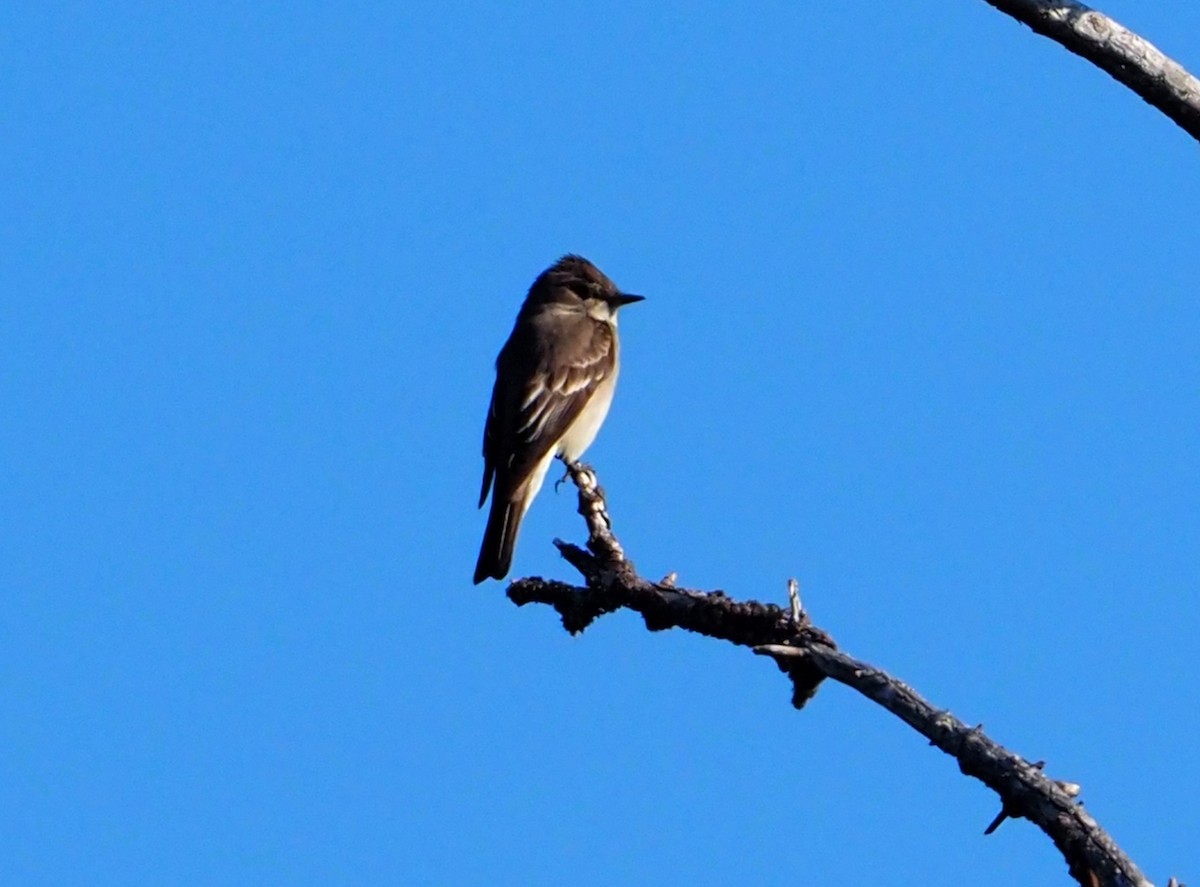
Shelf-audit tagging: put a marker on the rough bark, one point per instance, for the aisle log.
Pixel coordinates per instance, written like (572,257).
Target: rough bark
(808,655)
(1128,57)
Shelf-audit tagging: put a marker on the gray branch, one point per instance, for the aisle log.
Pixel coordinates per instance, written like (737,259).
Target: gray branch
(1131,59)
(808,655)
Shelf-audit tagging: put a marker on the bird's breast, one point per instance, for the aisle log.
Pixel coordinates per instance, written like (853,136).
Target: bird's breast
(584,429)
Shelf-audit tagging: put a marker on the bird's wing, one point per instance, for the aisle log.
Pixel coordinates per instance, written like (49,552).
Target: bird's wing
(490,434)
(525,421)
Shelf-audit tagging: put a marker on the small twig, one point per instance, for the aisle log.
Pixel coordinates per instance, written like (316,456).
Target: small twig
(594,508)
(1005,810)
(794,597)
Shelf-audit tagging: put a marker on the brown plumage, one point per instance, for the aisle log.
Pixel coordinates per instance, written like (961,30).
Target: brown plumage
(555,378)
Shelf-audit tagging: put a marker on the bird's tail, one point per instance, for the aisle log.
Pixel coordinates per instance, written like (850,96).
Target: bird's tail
(504,521)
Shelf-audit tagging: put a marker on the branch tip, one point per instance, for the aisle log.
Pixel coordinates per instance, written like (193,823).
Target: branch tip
(779,651)
(794,598)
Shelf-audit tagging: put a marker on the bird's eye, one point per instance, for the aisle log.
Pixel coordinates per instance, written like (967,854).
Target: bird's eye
(589,292)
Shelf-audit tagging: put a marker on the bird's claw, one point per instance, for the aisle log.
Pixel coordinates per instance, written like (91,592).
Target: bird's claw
(566,475)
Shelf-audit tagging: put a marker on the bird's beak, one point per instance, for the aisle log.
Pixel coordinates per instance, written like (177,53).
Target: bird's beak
(625,299)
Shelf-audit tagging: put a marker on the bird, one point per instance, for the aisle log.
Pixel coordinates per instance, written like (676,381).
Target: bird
(555,378)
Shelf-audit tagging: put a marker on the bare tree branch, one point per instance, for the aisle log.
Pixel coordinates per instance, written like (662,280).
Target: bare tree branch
(1131,59)
(808,655)
(1024,790)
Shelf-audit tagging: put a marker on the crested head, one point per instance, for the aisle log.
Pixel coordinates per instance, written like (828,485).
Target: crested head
(573,280)
(577,274)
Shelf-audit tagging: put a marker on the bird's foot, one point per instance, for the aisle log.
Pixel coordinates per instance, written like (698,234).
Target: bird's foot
(567,466)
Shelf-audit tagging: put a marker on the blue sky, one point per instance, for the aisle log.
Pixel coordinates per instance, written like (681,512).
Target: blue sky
(921,331)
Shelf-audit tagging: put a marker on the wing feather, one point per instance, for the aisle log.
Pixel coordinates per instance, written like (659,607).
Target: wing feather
(547,381)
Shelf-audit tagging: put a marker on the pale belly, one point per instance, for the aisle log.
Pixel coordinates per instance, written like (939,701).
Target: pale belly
(583,431)
(580,436)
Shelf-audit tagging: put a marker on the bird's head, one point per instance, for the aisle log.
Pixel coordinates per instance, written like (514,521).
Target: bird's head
(573,282)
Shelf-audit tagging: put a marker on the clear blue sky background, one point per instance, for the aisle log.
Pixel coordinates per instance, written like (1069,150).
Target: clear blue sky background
(923,331)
